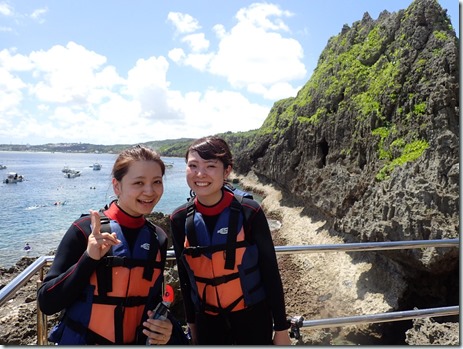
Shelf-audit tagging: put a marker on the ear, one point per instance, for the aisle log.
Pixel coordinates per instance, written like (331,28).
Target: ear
(116,187)
(227,172)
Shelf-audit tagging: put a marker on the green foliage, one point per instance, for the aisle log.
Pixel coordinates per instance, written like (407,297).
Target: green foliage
(315,118)
(440,35)
(410,152)
(372,44)
(420,108)
(384,153)
(279,117)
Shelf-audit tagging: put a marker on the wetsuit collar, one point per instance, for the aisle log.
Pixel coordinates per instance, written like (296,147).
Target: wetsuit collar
(114,212)
(216,209)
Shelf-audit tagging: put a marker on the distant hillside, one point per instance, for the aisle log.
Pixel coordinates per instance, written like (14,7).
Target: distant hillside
(167,148)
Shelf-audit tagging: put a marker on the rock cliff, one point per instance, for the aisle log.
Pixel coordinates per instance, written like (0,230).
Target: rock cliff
(372,142)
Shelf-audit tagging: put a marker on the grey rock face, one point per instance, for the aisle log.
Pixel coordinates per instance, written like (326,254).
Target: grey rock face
(372,139)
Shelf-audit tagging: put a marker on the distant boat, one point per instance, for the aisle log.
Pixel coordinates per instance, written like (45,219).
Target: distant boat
(168,164)
(2,167)
(97,166)
(13,177)
(66,169)
(72,174)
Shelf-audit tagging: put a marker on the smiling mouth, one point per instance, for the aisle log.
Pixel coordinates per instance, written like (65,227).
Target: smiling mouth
(202,184)
(146,201)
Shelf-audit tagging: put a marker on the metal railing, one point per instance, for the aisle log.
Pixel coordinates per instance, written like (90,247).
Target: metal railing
(37,266)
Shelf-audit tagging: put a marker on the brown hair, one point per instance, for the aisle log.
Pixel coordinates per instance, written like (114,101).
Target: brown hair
(212,147)
(136,153)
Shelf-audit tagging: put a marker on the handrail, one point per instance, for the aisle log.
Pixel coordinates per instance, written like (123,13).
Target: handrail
(367,246)
(14,285)
(381,317)
(20,280)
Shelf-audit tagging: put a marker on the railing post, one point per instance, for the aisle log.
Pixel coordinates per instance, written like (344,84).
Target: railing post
(42,331)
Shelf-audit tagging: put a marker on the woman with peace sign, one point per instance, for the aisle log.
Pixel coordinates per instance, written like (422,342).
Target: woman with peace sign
(107,274)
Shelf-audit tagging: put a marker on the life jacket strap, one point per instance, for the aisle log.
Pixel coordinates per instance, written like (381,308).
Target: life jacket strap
(118,327)
(116,261)
(91,338)
(219,310)
(217,280)
(197,251)
(230,252)
(190,223)
(148,270)
(133,301)
(104,279)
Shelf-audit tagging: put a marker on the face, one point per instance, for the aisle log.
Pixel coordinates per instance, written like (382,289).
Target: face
(206,177)
(140,189)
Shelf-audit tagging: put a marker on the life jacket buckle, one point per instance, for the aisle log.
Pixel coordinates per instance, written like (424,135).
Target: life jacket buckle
(113,261)
(193,251)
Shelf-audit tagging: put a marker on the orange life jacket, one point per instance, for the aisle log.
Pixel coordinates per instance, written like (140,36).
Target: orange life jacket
(224,265)
(114,305)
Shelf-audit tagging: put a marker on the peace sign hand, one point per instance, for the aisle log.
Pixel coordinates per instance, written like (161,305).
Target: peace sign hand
(99,243)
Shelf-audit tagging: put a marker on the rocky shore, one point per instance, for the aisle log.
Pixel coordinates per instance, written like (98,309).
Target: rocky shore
(317,285)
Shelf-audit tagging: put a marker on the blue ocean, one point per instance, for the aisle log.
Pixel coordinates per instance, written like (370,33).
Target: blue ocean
(41,208)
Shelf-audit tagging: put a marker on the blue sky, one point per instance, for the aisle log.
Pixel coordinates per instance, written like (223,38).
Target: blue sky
(120,71)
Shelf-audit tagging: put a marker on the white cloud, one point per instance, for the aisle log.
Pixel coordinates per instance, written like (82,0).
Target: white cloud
(12,61)
(183,23)
(10,93)
(197,42)
(275,91)
(68,93)
(176,55)
(254,55)
(70,74)
(258,15)
(221,111)
(75,96)
(198,61)
(5,9)
(38,14)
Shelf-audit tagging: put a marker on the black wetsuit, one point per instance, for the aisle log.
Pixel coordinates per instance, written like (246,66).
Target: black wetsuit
(72,267)
(252,325)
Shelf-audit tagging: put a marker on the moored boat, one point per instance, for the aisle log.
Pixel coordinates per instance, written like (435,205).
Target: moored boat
(66,169)
(72,174)
(13,177)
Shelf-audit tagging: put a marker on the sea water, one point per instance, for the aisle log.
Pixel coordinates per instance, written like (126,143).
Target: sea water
(40,209)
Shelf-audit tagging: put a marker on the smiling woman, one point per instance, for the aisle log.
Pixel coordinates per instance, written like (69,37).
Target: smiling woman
(112,254)
(226,259)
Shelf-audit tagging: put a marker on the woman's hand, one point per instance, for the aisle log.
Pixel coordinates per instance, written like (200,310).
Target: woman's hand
(158,331)
(281,338)
(99,243)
